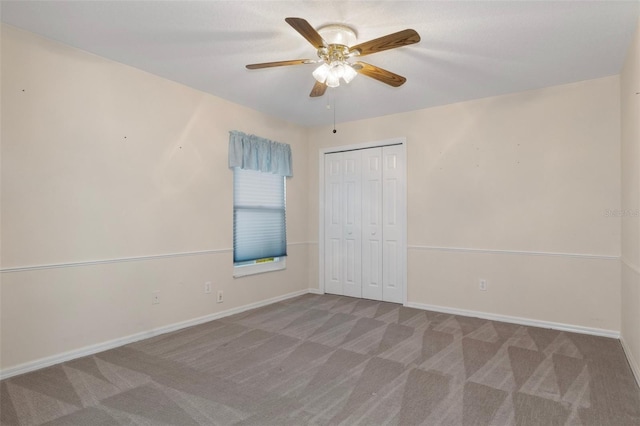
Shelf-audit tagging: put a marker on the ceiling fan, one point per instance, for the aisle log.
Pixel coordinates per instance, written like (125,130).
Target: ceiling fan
(334,44)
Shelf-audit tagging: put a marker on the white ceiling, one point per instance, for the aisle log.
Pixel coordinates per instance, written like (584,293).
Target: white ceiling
(469,50)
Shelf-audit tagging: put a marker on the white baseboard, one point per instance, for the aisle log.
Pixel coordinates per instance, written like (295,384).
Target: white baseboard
(100,347)
(517,320)
(635,367)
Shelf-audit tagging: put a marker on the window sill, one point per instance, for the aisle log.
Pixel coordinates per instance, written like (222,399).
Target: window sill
(259,268)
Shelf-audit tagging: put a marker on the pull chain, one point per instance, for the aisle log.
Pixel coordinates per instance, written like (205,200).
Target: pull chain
(334,115)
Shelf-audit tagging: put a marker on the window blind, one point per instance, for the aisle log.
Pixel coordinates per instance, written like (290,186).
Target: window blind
(259,223)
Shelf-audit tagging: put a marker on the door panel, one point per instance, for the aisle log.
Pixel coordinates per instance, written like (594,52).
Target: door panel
(333,225)
(352,223)
(393,229)
(334,258)
(372,224)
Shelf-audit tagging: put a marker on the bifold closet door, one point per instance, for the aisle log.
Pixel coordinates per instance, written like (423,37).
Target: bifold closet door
(393,217)
(363,241)
(372,236)
(343,243)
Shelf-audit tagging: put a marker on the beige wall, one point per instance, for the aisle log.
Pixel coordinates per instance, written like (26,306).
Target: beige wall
(531,174)
(100,162)
(512,189)
(630,111)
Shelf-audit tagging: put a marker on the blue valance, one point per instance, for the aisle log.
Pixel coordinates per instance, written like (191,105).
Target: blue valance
(255,153)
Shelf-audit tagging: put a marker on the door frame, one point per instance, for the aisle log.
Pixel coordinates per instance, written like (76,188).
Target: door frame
(375,144)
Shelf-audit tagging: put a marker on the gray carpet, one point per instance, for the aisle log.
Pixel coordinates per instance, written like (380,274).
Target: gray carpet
(322,359)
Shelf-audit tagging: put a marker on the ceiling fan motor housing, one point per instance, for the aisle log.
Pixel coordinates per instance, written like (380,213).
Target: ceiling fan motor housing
(338,34)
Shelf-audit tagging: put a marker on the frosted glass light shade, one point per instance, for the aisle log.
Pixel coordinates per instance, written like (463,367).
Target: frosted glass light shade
(349,73)
(333,80)
(321,73)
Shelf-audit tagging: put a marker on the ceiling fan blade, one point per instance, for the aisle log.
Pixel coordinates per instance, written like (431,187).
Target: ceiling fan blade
(307,31)
(391,41)
(318,89)
(280,63)
(379,74)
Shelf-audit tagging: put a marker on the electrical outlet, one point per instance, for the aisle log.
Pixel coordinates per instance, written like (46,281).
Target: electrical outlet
(220,297)
(207,287)
(155,298)
(482,285)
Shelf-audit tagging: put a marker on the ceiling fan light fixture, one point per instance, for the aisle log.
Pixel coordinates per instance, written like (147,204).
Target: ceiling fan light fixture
(330,74)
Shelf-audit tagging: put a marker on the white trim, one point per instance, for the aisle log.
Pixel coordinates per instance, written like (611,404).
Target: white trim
(321,219)
(518,320)
(516,252)
(364,145)
(405,224)
(633,363)
(126,259)
(630,265)
(635,367)
(100,347)
(260,268)
(109,261)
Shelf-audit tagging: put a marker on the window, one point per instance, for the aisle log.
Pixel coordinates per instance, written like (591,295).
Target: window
(260,168)
(259,222)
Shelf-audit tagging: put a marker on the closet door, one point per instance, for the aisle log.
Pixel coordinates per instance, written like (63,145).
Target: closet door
(333,223)
(364,217)
(352,224)
(393,214)
(343,218)
(372,223)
